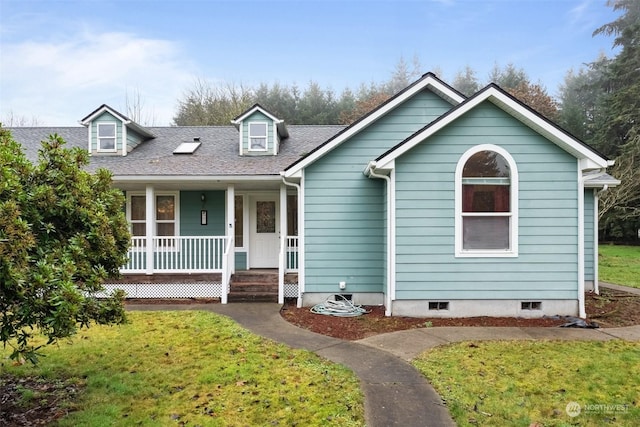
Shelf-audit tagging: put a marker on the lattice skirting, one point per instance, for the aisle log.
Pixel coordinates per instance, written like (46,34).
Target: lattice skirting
(290,290)
(167,290)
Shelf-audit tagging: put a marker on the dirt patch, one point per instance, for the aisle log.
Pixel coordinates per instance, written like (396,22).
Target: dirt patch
(609,309)
(34,401)
(613,308)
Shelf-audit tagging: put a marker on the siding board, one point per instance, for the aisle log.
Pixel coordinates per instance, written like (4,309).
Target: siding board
(546,267)
(345,211)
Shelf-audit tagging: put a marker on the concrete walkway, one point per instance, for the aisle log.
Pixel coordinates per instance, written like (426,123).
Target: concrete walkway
(395,393)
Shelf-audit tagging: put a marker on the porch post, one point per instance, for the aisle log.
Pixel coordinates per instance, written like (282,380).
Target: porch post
(231,223)
(282,259)
(150,226)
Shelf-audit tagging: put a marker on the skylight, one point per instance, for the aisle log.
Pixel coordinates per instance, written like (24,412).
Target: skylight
(187,148)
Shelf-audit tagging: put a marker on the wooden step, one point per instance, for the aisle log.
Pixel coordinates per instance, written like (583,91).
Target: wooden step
(254,286)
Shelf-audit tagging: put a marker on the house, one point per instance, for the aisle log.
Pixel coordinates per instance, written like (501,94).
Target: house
(432,204)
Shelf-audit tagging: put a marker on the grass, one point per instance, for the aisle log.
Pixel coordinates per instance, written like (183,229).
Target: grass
(620,264)
(196,368)
(522,383)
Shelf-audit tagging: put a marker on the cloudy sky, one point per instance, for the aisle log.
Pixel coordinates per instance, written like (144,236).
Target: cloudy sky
(59,60)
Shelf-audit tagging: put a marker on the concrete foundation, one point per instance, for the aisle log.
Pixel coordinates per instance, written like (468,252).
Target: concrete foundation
(491,308)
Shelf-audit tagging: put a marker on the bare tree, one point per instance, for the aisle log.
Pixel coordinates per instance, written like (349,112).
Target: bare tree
(135,108)
(11,119)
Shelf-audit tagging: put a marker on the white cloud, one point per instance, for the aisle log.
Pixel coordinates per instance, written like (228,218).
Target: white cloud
(61,81)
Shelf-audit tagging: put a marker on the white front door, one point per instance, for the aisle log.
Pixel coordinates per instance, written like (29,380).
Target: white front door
(264,233)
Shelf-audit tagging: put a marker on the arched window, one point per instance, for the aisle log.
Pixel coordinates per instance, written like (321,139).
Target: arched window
(486,203)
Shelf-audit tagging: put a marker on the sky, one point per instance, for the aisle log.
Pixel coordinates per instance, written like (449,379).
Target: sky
(60,60)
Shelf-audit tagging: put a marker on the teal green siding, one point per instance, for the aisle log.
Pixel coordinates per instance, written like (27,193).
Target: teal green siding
(190,207)
(241,260)
(345,213)
(258,117)
(589,235)
(106,117)
(133,139)
(546,267)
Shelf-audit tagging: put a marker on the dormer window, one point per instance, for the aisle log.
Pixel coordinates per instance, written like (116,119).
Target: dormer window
(257,137)
(107,137)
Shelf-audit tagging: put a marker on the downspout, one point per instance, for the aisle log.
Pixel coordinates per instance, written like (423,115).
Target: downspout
(581,303)
(369,172)
(300,239)
(596,201)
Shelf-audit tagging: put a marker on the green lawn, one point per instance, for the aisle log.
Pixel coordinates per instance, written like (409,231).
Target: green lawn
(523,383)
(196,368)
(620,265)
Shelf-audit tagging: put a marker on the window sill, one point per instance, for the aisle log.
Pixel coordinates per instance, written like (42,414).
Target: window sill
(486,254)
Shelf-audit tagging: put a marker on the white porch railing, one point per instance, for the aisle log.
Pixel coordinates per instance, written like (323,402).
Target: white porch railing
(181,254)
(291,254)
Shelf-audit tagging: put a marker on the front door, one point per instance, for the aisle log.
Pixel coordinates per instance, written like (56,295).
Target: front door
(264,234)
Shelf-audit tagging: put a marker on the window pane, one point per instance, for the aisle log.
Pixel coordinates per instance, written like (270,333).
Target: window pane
(139,229)
(266,217)
(258,129)
(107,130)
(486,164)
(292,215)
(165,208)
(258,143)
(485,198)
(166,229)
(107,143)
(239,224)
(138,208)
(485,232)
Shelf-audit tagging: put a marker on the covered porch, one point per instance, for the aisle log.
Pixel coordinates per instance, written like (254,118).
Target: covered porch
(190,238)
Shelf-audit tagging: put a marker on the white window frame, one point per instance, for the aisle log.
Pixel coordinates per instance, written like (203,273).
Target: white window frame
(512,215)
(266,136)
(114,137)
(175,220)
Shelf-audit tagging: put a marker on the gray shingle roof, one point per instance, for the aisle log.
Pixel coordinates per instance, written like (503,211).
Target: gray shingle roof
(217,156)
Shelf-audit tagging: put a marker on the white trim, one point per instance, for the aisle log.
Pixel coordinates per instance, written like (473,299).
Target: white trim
(266,136)
(193,178)
(99,148)
(427,81)
(241,134)
(513,214)
(282,251)
(90,137)
(518,111)
(581,303)
(124,140)
(596,284)
(249,112)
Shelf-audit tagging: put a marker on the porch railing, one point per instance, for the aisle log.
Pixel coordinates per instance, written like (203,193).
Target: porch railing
(180,254)
(291,254)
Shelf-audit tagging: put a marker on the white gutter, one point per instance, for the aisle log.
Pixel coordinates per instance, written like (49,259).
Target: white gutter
(300,238)
(369,172)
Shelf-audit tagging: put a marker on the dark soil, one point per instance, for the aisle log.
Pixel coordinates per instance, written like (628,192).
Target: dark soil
(33,401)
(609,309)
